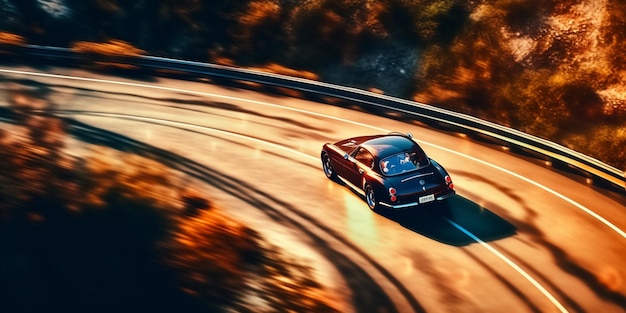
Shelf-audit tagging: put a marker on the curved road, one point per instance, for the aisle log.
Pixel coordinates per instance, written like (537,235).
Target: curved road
(518,237)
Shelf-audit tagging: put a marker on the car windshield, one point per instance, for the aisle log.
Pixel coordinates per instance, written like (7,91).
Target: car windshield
(403,162)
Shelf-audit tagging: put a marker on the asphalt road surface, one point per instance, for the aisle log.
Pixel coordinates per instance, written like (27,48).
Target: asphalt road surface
(518,236)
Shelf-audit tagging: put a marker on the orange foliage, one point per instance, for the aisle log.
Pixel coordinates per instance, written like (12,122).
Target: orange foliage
(111,48)
(282,70)
(259,12)
(11,39)
(219,261)
(210,252)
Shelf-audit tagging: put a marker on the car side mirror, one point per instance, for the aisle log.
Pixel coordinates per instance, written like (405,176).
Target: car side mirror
(346,156)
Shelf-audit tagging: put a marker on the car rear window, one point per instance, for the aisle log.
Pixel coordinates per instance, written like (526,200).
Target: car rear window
(403,162)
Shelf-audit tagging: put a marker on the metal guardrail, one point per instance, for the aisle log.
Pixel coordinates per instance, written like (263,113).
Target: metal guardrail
(468,124)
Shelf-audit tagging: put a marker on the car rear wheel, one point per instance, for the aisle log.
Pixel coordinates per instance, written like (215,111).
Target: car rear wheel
(328,167)
(370,197)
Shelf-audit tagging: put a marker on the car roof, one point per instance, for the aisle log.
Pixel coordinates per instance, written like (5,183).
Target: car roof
(385,145)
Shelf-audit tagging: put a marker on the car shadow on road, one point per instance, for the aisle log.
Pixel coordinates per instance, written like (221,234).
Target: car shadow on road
(436,221)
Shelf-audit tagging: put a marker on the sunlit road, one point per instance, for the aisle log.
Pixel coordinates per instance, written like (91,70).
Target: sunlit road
(518,237)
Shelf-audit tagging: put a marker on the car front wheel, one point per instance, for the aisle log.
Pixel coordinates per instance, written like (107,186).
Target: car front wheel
(370,197)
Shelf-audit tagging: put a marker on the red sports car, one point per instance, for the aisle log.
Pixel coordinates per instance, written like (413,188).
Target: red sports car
(391,171)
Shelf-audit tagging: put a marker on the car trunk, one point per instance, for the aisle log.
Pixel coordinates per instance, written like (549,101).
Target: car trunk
(414,185)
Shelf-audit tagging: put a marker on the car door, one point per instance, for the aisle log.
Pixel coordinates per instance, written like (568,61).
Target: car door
(361,162)
(342,159)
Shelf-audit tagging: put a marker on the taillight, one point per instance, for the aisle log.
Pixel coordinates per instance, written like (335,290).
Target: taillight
(392,194)
(449,182)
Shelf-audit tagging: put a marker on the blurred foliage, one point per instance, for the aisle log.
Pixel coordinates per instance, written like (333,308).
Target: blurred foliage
(243,275)
(609,143)
(311,34)
(11,39)
(279,69)
(551,68)
(111,232)
(111,48)
(9,42)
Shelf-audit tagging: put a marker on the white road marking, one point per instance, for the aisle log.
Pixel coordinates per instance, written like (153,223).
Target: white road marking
(205,128)
(545,188)
(508,261)
(478,240)
(512,264)
(538,185)
(187,91)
